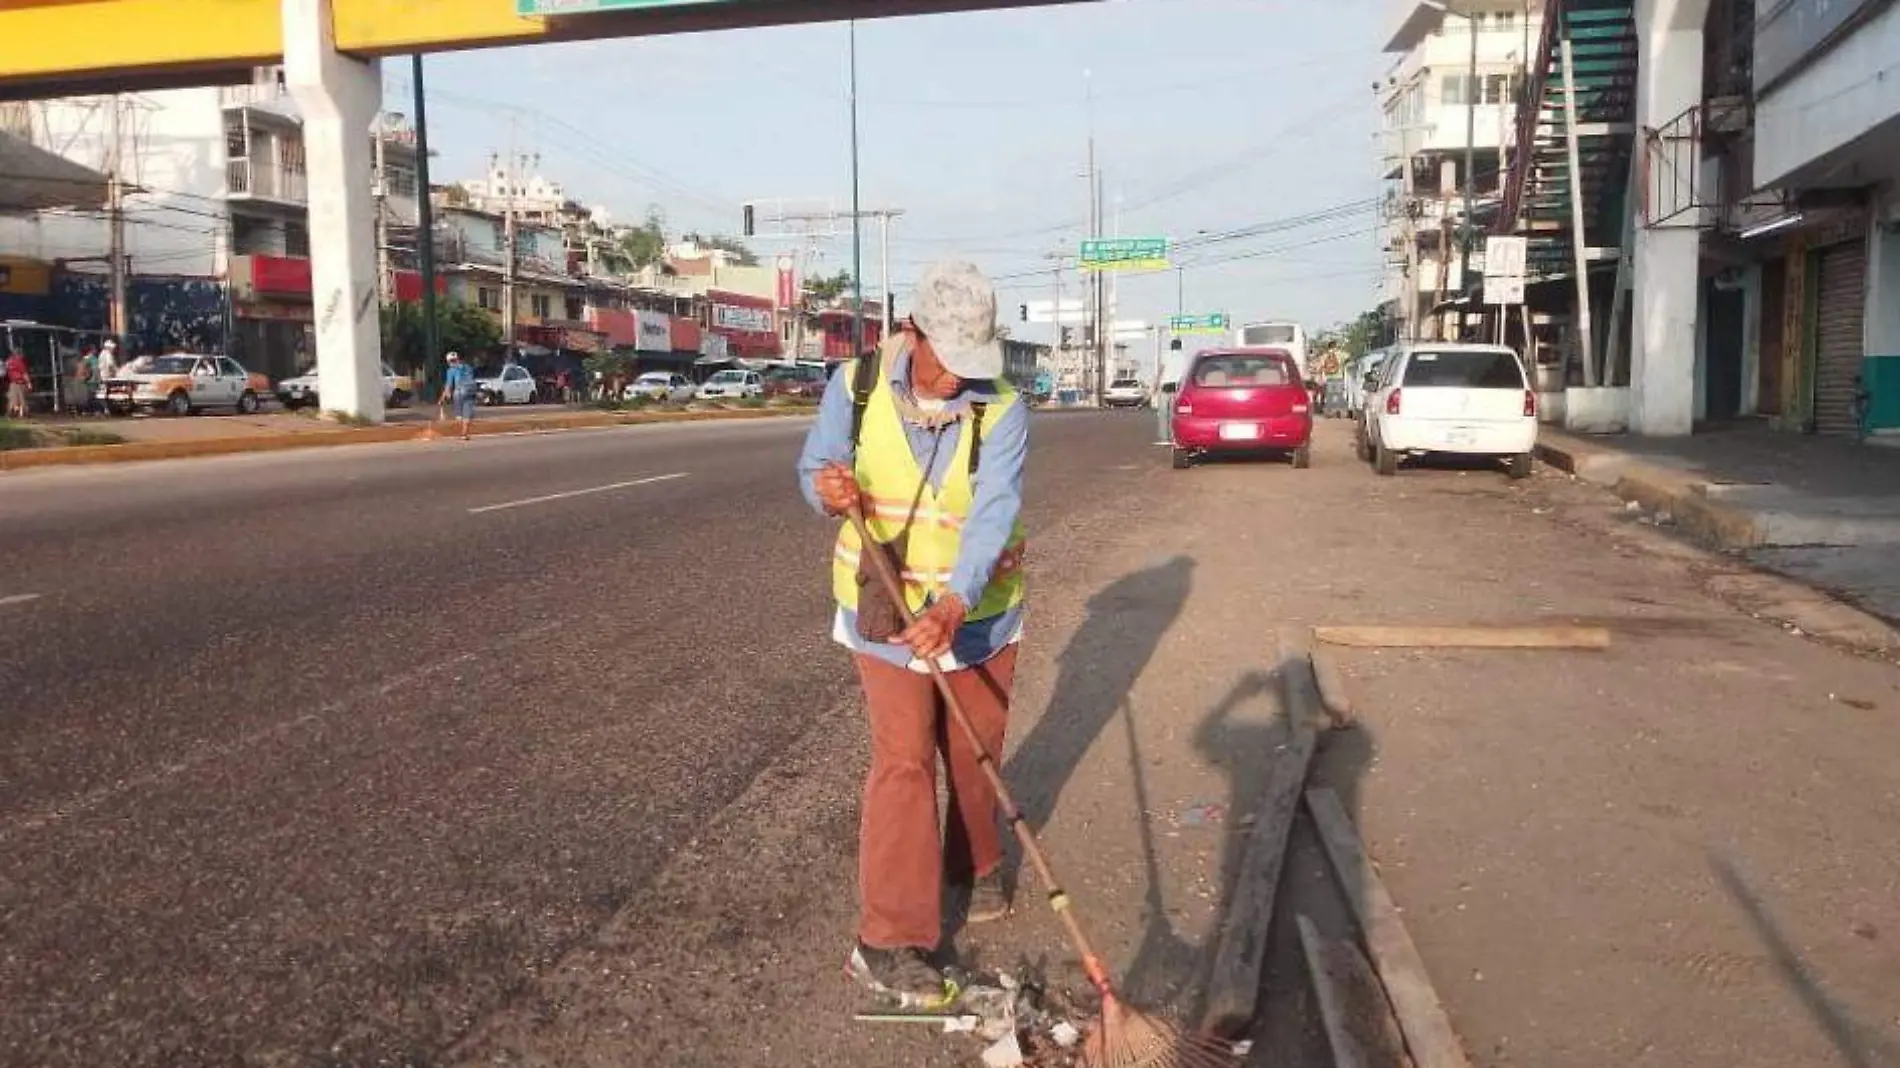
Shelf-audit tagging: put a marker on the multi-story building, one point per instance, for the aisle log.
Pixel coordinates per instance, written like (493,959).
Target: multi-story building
(1432,108)
(216,202)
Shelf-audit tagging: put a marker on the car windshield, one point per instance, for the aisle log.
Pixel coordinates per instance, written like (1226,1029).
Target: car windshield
(652,379)
(1124,383)
(172,365)
(727,377)
(1238,370)
(1463,369)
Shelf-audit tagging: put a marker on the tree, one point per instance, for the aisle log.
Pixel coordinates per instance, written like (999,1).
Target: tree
(459,327)
(643,245)
(829,289)
(737,248)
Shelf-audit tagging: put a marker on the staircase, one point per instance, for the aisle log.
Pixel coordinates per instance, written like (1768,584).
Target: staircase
(1537,191)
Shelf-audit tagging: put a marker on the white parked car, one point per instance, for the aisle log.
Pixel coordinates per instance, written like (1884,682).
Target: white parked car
(661,386)
(511,385)
(1125,393)
(1450,399)
(301,391)
(183,383)
(727,385)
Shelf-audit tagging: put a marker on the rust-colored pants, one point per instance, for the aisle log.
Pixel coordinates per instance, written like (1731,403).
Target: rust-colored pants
(902,865)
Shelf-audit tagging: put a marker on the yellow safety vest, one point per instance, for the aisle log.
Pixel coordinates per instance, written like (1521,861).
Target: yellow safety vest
(888,479)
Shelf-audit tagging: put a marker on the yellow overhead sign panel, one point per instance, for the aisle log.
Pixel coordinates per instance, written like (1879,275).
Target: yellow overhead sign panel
(56,40)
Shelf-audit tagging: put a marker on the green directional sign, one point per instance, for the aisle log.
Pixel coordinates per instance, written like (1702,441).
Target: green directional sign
(1126,254)
(589,7)
(1213,323)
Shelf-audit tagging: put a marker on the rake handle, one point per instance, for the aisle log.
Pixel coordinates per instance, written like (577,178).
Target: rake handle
(1058,898)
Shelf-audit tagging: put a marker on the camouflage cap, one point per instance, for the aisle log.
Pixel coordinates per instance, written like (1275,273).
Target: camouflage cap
(955,307)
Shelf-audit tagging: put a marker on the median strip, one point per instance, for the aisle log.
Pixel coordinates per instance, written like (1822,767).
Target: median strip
(17,459)
(575,493)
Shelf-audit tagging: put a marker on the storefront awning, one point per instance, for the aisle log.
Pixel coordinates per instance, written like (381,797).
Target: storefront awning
(33,179)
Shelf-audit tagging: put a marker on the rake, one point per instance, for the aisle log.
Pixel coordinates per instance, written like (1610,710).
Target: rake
(1123,1037)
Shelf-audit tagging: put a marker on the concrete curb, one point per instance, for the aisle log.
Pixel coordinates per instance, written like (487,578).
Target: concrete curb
(1684,497)
(22,459)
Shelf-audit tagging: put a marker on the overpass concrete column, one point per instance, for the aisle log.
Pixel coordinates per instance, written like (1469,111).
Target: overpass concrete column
(1664,293)
(340,98)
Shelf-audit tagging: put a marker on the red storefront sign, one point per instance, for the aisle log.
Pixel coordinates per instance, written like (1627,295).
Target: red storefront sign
(685,335)
(409,286)
(621,327)
(787,284)
(746,323)
(280,275)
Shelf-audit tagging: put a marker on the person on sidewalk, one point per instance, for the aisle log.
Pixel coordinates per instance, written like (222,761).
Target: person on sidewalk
(18,381)
(108,362)
(930,441)
(1167,384)
(458,389)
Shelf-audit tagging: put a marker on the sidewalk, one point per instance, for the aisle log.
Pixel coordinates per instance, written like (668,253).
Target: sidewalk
(1823,510)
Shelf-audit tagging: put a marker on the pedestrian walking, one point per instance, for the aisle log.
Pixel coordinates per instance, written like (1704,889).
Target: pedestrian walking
(18,383)
(564,386)
(1167,384)
(458,389)
(79,389)
(929,440)
(108,360)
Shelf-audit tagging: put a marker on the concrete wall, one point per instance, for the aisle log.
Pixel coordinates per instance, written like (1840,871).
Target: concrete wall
(1849,92)
(173,145)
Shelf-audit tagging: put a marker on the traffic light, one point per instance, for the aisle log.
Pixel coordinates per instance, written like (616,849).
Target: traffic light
(1068,336)
(1175,344)
(1022,312)
(750,226)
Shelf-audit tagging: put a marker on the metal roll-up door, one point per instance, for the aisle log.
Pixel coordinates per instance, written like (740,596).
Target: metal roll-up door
(1840,310)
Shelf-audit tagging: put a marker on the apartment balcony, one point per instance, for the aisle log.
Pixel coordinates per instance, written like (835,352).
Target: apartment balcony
(246,179)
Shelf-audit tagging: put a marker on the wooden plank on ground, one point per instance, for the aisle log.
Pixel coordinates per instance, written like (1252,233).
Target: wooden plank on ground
(1332,687)
(1528,637)
(1357,1018)
(1422,1019)
(1233,991)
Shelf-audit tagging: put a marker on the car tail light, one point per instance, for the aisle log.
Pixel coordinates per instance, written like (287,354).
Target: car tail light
(1392,403)
(1183,403)
(1302,408)
(1530,404)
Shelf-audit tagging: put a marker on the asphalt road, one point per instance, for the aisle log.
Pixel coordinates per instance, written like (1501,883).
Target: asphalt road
(319,758)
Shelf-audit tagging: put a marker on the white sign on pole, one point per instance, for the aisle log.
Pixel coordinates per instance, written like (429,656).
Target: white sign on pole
(1501,290)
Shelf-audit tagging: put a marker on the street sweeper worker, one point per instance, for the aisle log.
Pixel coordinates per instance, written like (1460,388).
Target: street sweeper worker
(929,440)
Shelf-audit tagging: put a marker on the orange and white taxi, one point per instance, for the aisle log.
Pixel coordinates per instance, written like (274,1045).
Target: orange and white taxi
(183,383)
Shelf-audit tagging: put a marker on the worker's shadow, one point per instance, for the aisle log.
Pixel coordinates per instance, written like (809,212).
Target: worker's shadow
(1239,735)
(1096,671)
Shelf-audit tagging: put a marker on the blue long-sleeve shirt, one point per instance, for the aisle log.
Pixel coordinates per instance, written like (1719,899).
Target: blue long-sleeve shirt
(996,504)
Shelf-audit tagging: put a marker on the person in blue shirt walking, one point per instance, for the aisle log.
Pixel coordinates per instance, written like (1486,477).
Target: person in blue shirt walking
(458,388)
(930,441)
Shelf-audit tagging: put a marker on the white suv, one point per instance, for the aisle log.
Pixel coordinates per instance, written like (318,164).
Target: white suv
(1447,398)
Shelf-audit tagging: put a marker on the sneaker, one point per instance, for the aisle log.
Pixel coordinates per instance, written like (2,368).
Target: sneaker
(989,899)
(904,976)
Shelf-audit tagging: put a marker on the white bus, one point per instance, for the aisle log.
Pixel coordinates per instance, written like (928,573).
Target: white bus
(1278,334)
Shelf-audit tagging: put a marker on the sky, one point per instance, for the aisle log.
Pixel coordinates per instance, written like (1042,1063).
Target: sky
(1209,117)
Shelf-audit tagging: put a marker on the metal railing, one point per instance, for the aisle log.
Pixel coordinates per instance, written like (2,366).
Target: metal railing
(1529,111)
(242,178)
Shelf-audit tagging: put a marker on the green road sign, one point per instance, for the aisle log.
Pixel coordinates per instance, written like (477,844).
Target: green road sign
(1126,254)
(588,7)
(1215,323)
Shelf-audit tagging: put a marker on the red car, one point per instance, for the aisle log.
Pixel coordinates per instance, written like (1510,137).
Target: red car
(1240,401)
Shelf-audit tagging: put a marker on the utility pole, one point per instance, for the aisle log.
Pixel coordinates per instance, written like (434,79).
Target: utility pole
(384,279)
(509,177)
(117,321)
(1098,354)
(1471,164)
(425,228)
(884,271)
(857,214)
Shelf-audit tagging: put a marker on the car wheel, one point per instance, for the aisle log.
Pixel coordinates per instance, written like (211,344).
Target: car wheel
(1519,466)
(1362,447)
(1183,459)
(1385,461)
(1303,457)
(179,403)
(399,399)
(247,403)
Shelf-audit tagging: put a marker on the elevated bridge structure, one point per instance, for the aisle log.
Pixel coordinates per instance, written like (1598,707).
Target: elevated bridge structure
(331,52)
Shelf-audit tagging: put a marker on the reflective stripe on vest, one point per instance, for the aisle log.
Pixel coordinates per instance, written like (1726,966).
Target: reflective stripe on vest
(888,475)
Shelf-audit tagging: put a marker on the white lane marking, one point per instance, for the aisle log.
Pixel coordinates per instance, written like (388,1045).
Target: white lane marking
(576,493)
(18,598)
